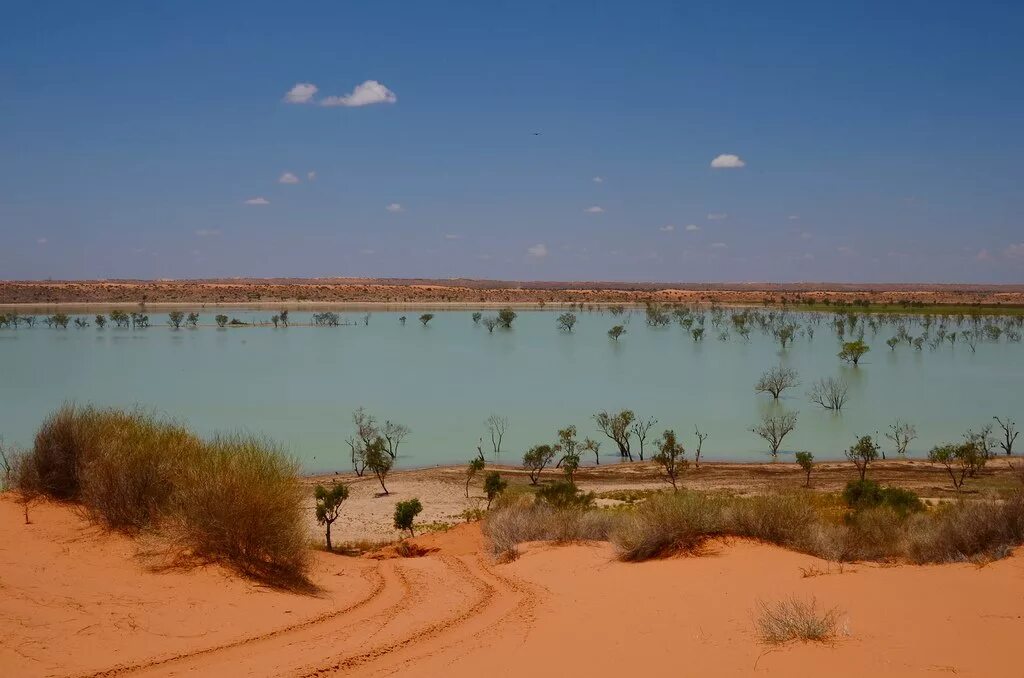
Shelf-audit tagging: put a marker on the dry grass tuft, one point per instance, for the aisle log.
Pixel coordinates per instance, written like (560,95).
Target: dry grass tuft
(795,619)
(523,520)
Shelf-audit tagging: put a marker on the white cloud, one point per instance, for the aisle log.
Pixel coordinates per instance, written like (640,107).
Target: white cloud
(717,216)
(598,180)
(692,227)
(257,201)
(395,207)
(42,241)
(727,161)
(806,235)
(794,217)
(1014,251)
(311,175)
(451,236)
(718,245)
(594,210)
(667,228)
(288,178)
(366,94)
(302,93)
(207,232)
(538,251)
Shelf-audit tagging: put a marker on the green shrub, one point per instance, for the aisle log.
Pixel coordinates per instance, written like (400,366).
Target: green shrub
(864,494)
(493,486)
(405,514)
(563,494)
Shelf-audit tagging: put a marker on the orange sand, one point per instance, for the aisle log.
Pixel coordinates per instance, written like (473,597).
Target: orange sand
(75,601)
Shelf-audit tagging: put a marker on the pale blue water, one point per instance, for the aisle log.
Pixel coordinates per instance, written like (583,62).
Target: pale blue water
(300,385)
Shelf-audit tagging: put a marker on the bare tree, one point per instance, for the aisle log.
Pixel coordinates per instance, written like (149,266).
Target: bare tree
(830,393)
(490,322)
(701,437)
(393,435)
(496,425)
(776,380)
(1010,434)
(366,433)
(671,456)
(640,428)
(774,428)
(900,433)
(617,427)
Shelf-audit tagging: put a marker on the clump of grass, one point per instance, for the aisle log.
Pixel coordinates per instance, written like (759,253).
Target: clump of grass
(679,522)
(795,619)
(523,520)
(976,530)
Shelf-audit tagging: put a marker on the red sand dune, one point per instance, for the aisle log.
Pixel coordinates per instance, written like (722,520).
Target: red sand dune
(78,602)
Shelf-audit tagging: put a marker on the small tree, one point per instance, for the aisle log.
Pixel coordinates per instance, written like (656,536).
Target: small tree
(283,316)
(618,428)
(774,428)
(697,333)
(616,332)
(776,380)
(476,317)
(405,514)
(192,320)
(476,464)
(378,460)
(175,318)
(853,351)
(958,460)
(426,318)
(493,486)
(806,462)
(496,426)
(900,433)
(830,393)
(393,435)
(1010,434)
(566,322)
(701,437)
(505,317)
(536,459)
(222,320)
(592,446)
(640,428)
(490,322)
(101,321)
(402,320)
(671,457)
(328,506)
(892,343)
(863,452)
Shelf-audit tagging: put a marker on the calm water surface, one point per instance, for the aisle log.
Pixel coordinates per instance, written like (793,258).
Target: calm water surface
(299,385)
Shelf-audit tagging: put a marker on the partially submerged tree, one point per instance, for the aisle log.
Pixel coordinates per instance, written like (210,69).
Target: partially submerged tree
(328,506)
(393,435)
(776,380)
(1010,434)
(640,428)
(901,434)
(589,445)
(505,317)
(830,393)
(616,332)
(853,351)
(426,318)
(493,486)
(192,320)
(774,428)
(862,453)
(490,322)
(221,320)
(671,456)
(476,317)
(496,426)
(618,428)
(697,333)
(566,322)
(536,459)
(806,462)
(476,464)
(100,320)
(405,514)
(175,318)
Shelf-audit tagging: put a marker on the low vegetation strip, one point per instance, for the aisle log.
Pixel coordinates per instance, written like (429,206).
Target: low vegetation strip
(231,499)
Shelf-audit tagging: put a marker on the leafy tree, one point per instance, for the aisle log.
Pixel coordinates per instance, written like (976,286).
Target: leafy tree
(284,317)
(566,322)
(618,428)
(328,506)
(616,332)
(496,426)
(640,428)
(192,320)
(562,494)
(774,428)
(569,448)
(426,318)
(505,317)
(493,486)
(671,456)
(617,309)
(892,343)
(536,459)
(222,320)
(476,465)
(379,461)
(1010,434)
(697,333)
(405,514)
(175,318)
(853,351)
(776,380)
(402,320)
(863,452)
(101,321)
(476,317)
(806,462)
(830,393)
(490,322)
(592,446)
(81,323)
(900,433)
(785,333)
(120,318)
(960,461)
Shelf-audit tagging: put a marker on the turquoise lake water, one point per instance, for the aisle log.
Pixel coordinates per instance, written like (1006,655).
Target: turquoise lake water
(299,385)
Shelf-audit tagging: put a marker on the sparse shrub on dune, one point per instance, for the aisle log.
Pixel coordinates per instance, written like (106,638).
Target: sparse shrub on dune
(520,519)
(795,619)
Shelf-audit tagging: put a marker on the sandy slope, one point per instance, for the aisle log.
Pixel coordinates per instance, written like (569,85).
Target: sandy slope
(76,602)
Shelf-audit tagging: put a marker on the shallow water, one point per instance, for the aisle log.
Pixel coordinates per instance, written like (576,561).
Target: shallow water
(299,385)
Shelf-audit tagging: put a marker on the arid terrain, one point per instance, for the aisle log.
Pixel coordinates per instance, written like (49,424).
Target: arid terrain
(81,601)
(466,291)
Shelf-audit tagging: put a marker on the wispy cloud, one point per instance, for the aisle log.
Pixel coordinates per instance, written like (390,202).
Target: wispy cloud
(846,251)
(42,241)
(667,228)
(451,236)
(365,94)
(718,245)
(727,161)
(207,232)
(538,251)
(288,178)
(257,201)
(366,252)
(692,227)
(301,93)
(311,175)
(595,209)
(598,180)
(395,207)
(1014,251)
(794,217)
(717,216)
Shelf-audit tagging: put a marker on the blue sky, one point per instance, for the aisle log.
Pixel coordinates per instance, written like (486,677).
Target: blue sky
(879,141)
